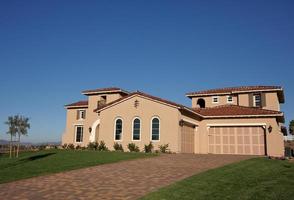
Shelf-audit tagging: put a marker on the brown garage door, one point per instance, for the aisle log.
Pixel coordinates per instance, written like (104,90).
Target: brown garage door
(236,140)
(187,139)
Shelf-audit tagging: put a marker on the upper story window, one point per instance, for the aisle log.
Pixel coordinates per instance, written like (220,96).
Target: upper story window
(136,129)
(215,99)
(118,129)
(81,114)
(257,100)
(155,129)
(229,99)
(79,133)
(102,101)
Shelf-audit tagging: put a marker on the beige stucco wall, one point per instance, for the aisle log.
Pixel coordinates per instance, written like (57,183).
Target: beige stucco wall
(274,140)
(71,121)
(169,123)
(243,99)
(209,103)
(68,136)
(272,101)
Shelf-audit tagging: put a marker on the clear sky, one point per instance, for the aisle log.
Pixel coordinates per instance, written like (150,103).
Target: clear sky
(52,50)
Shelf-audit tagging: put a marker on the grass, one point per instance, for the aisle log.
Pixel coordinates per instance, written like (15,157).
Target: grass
(31,164)
(258,178)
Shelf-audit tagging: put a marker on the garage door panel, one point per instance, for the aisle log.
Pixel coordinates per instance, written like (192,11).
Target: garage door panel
(237,140)
(187,139)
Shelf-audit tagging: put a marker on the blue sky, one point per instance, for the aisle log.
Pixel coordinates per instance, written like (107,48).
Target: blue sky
(52,50)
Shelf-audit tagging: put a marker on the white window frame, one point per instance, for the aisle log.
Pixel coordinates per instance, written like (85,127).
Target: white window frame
(228,99)
(122,124)
(254,100)
(76,128)
(133,129)
(80,115)
(217,97)
(155,117)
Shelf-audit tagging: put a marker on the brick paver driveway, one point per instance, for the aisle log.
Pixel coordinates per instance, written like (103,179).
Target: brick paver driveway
(123,180)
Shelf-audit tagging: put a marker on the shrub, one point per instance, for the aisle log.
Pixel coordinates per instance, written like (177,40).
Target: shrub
(102,146)
(64,146)
(163,148)
(78,147)
(71,146)
(133,147)
(92,145)
(148,148)
(118,147)
(42,147)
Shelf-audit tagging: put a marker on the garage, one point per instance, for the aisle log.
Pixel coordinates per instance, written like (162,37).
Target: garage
(247,140)
(187,138)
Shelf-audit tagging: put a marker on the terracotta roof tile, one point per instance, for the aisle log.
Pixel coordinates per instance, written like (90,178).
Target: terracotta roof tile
(234,110)
(101,90)
(78,104)
(233,90)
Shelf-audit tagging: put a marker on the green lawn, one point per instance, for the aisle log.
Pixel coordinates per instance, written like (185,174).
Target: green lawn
(31,164)
(258,178)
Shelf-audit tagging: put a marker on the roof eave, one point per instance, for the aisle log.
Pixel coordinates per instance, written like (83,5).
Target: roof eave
(245,116)
(104,92)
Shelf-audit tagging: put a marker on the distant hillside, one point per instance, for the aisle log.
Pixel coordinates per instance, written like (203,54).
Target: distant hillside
(29,143)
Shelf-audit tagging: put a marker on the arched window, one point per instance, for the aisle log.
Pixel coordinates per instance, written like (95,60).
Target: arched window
(118,129)
(155,124)
(201,103)
(136,129)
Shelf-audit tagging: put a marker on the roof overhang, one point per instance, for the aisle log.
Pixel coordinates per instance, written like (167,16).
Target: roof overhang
(93,92)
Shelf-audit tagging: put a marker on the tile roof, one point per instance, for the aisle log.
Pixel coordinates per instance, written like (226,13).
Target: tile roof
(105,90)
(78,104)
(229,90)
(234,110)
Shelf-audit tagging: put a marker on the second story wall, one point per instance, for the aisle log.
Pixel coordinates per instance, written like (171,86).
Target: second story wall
(269,100)
(222,100)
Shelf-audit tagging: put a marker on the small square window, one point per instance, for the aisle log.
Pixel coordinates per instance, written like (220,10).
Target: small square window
(229,99)
(214,99)
(82,114)
(257,100)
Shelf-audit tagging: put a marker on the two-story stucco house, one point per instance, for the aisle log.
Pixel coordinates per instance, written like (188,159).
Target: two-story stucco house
(237,120)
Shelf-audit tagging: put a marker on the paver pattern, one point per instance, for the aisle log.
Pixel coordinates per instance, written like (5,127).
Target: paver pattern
(122,180)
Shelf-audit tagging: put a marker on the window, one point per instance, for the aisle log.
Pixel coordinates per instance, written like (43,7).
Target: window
(79,133)
(201,103)
(118,129)
(214,99)
(81,114)
(229,99)
(257,100)
(136,129)
(155,129)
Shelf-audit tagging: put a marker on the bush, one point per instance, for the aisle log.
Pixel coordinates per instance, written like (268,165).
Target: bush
(133,147)
(148,148)
(102,146)
(42,147)
(64,146)
(118,147)
(92,146)
(71,146)
(78,147)
(163,148)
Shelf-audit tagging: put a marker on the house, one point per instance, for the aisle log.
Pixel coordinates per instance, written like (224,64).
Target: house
(237,120)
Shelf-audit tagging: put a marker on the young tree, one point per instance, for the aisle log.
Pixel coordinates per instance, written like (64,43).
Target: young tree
(12,130)
(22,128)
(291,127)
